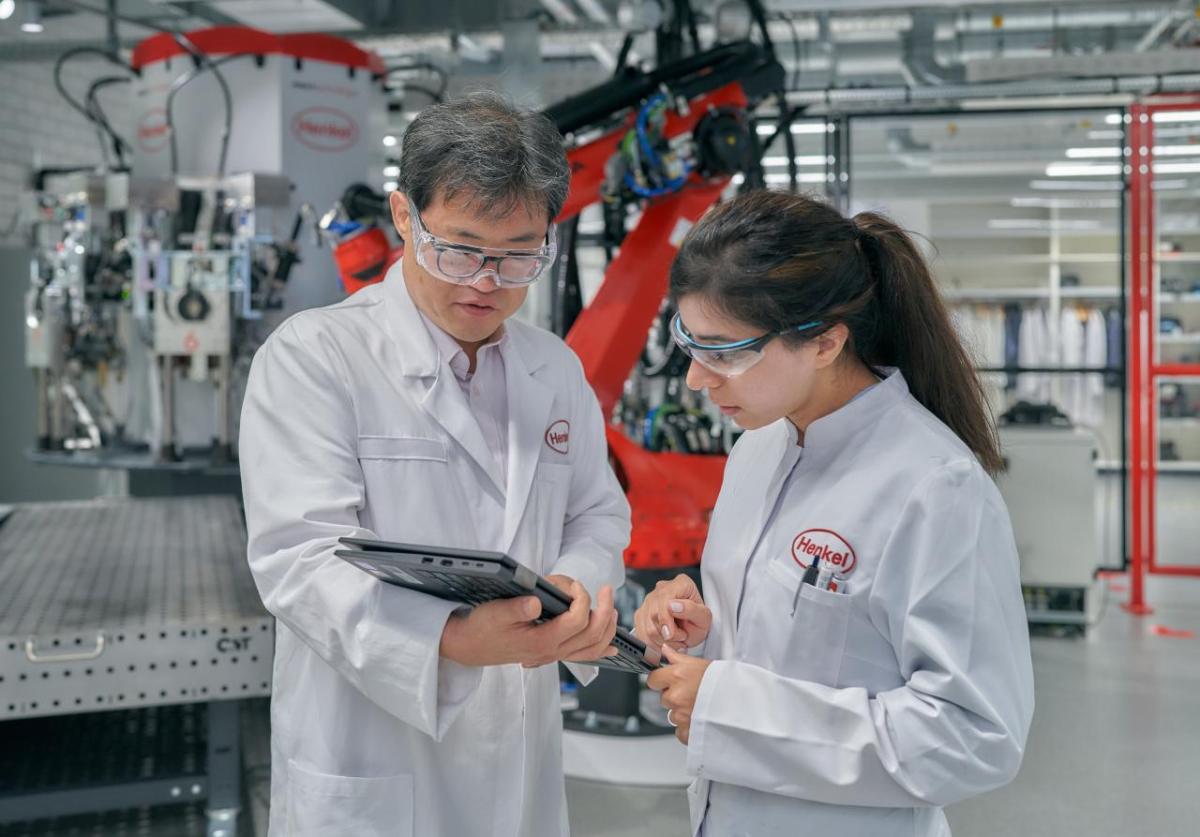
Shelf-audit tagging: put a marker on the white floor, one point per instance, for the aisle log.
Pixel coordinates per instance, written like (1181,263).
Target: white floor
(1114,750)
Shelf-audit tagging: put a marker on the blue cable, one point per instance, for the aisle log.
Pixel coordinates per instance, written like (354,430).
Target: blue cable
(640,128)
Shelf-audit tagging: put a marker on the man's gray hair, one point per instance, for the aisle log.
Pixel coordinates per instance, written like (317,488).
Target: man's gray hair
(484,149)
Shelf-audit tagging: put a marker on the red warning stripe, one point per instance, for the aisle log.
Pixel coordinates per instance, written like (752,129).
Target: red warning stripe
(1173,633)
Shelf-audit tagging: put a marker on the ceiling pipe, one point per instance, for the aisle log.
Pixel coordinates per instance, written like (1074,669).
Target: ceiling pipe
(868,97)
(919,53)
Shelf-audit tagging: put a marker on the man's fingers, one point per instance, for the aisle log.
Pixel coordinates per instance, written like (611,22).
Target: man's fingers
(594,640)
(576,618)
(513,611)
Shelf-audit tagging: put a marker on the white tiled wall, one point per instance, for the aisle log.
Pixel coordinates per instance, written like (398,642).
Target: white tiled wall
(38,129)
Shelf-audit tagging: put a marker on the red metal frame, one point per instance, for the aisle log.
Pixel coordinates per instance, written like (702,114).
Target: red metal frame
(1145,370)
(229,40)
(671,494)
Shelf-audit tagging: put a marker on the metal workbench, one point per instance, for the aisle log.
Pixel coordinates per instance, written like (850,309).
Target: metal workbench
(128,604)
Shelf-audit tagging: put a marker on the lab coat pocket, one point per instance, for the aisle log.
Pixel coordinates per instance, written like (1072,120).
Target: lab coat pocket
(320,804)
(405,480)
(401,447)
(807,635)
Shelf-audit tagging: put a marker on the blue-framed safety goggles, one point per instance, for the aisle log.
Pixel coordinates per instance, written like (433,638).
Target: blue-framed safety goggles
(728,359)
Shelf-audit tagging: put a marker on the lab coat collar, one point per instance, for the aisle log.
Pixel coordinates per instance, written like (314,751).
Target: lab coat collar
(529,404)
(529,399)
(829,434)
(420,356)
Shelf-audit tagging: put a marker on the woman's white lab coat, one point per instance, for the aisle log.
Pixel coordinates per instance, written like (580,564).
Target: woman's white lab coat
(858,713)
(353,425)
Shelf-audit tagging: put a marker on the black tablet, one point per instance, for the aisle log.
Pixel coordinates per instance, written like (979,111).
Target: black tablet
(473,577)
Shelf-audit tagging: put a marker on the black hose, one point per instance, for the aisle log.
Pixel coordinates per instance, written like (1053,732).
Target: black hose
(623,55)
(760,17)
(62,90)
(428,91)
(182,82)
(789,145)
(205,63)
(93,106)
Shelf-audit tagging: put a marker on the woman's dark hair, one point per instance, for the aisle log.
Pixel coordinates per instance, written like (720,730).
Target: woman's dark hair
(776,260)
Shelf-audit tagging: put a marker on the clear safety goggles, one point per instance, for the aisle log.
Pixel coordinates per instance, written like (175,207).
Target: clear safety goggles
(462,264)
(728,359)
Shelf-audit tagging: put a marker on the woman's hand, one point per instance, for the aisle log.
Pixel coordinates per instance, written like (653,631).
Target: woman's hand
(679,683)
(673,614)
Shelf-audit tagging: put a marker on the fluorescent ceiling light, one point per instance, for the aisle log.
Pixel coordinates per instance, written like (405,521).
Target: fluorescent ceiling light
(1076,186)
(1065,203)
(1114,119)
(1089,153)
(390,185)
(798,128)
(389,140)
(1098,185)
(1177,116)
(1098,136)
(801,160)
(1071,225)
(391,171)
(1183,150)
(31,17)
(1082,169)
(7,7)
(1176,168)
(779,179)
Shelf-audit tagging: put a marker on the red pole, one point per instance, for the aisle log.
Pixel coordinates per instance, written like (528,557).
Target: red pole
(1140,180)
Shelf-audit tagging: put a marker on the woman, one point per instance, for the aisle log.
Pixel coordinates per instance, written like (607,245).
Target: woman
(860,653)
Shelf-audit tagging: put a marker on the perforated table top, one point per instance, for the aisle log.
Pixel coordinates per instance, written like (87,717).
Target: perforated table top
(124,564)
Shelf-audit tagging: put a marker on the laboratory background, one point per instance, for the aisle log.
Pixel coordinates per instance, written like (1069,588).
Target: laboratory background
(177,178)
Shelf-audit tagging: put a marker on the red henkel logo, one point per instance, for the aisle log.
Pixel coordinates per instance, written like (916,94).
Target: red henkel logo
(152,130)
(830,547)
(558,436)
(324,129)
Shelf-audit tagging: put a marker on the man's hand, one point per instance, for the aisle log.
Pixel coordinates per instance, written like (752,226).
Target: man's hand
(679,683)
(504,632)
(673,614)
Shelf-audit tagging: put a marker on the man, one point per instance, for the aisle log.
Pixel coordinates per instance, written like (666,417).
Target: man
(416,411)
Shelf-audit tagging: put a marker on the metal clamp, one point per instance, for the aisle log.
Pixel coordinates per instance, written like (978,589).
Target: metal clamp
(73,657)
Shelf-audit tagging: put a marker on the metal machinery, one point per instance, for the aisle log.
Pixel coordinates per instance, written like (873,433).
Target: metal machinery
(150,287)
(142,286)
(1049,486)
(159,630)
(666,144)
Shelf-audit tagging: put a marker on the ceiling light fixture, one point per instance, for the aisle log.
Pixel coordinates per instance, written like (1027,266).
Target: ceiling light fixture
(797,128)
(31,17)
(1082,169)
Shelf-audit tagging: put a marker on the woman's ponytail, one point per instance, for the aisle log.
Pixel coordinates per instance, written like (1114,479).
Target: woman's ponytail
(914,333)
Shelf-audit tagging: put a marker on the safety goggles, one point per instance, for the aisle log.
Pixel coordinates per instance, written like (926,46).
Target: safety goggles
(462,264)
(728,359)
